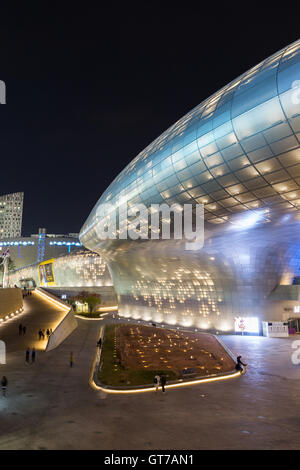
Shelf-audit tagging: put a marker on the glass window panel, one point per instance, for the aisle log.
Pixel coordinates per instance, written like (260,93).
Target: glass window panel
(294,170)
(183,198)
(190,183)
(223,131)
(262,88)
(286,186)
(252,143)
(258,182)
(239,162)
(236,189)
(254,204)
(196,192)
(267,166)
(221,194)
(292,195)
(277,132)
(220,171)
(289,69)
(231,152)
(214,160)
(264,192)
(260,118)
(284,145)
(227,180)
(208,149)
(192,157)
(212,207)
(211,186)
(203,177)
(290,158)
(238,208)
(179,165)
(230,201)
(204,200)
(278,176)
(184,174)
(260,154)
(247,173)
(197,167)
(222,115)
(162,186)
(245,197)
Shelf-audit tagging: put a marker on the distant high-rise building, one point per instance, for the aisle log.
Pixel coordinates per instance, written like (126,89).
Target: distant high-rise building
(11,212)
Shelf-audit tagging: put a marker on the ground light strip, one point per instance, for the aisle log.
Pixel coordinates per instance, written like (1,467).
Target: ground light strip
(152,389)
(49,299)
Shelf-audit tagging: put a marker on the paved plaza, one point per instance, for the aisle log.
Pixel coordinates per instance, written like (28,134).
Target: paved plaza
(51,406)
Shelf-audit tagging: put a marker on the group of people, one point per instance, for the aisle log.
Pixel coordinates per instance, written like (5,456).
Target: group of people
(160,380)
(42,333)
(22,329)
(26,292)
(27,355)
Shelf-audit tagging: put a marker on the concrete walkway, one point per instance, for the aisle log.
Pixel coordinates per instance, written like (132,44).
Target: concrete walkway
(38,313)
(51,406)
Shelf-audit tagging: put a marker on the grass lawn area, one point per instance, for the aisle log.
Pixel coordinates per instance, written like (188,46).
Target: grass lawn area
(115,374)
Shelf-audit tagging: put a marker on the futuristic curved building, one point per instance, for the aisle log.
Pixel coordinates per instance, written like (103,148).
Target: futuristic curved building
(238,154)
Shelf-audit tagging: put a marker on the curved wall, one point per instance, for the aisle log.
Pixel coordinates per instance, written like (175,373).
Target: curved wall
(238,154)
(80,269)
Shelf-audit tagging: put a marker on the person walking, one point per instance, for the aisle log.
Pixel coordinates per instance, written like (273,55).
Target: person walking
(48,333)
(4,383)
(33,354)
(71,359)
(24,330)
(163,381)
(20,329)
(27,355)
(239,364)
(156,382)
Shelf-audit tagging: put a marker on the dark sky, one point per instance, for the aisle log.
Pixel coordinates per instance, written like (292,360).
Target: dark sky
(89,87)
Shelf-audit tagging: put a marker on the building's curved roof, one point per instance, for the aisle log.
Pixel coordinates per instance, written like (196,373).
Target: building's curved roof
(236,151)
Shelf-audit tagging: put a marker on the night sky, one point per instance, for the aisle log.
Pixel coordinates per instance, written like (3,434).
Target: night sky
(89,87)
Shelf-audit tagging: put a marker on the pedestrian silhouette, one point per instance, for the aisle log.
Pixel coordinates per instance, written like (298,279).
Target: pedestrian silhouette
(239,364)
(4,383)
(71,359)
(33,354)
(163,381)
(27,354)
(156,382)
(24,330)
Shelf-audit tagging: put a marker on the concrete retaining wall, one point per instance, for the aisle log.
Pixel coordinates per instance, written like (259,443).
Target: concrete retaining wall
(11,300)
(65,327)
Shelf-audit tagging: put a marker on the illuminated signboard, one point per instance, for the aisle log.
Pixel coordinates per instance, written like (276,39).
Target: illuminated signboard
(46,273)
(246,324)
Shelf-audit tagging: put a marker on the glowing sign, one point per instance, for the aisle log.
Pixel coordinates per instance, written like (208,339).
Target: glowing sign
(246,324)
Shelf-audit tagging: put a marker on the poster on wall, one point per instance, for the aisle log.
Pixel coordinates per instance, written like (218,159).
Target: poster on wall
(46,273)
(246,325)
